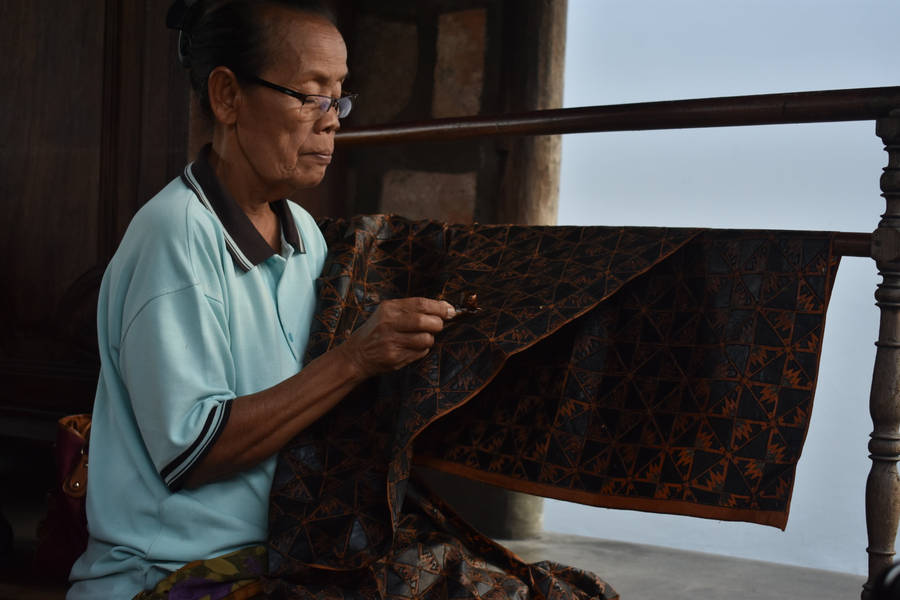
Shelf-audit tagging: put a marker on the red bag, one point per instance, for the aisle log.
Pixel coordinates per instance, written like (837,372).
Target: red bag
(62,534)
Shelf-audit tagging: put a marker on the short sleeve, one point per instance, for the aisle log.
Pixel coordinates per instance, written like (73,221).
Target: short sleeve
(177,367)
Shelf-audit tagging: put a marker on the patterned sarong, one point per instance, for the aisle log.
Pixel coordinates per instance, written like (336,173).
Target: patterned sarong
(233,576)
(436,555)
(669,370)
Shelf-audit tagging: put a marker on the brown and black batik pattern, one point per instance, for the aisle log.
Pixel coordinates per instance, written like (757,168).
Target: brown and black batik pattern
(669,370)
(437,556)
(688,391)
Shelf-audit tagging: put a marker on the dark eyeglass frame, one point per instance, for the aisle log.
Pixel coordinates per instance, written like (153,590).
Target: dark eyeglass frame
(343,104)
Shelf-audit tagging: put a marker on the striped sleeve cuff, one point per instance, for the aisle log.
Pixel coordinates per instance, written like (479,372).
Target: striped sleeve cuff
(175,473)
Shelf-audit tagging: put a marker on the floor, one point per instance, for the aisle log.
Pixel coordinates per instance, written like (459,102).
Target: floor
(652,573)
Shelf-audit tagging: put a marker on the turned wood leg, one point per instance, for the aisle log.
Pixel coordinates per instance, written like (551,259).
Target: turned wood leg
(883,484)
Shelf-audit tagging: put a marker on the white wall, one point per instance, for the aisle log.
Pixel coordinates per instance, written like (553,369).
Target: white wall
(822,176)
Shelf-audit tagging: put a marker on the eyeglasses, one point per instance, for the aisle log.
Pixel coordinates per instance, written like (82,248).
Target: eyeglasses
(322,103)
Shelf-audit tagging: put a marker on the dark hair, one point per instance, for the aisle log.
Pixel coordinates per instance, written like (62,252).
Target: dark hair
(230,33)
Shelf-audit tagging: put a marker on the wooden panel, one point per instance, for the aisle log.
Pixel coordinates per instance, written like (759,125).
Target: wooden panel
(145,128)
(50,122)
(164,108)
(50,126)
(92,123)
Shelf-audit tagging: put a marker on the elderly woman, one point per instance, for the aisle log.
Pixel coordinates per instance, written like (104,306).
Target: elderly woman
(205,309)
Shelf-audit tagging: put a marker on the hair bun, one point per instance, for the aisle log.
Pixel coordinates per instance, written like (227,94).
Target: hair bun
(184,49)
(179,15)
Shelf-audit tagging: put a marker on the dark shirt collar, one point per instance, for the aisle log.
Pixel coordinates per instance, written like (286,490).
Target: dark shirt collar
(246,245)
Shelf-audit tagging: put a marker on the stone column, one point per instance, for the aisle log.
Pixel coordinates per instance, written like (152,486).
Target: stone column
(533,65)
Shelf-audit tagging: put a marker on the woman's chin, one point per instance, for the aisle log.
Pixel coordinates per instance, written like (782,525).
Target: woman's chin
(313,175)
(308,179)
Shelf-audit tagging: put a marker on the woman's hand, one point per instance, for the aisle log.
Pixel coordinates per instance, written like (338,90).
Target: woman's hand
(398,333)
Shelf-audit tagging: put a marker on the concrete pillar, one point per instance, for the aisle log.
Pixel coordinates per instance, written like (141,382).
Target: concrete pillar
(533,65)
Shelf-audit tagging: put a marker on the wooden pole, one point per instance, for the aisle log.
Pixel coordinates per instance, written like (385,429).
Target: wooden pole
(853,244)
(826,106)
(883,484)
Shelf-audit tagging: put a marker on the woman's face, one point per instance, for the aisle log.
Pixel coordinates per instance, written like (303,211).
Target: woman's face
(287,145)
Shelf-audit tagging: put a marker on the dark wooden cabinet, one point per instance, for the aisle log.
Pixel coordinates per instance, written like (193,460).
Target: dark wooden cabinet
(93,121)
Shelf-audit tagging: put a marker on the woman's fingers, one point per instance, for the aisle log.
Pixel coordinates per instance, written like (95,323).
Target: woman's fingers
(438,308)
(417,341)
(415,322)
(417,314)
(413,358)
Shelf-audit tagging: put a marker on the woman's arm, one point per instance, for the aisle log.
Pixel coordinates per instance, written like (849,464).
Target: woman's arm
(398,333)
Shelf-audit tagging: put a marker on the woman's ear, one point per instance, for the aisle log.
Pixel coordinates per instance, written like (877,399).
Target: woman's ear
(224,95)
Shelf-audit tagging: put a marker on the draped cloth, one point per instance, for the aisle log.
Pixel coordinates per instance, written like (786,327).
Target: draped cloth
(667,370)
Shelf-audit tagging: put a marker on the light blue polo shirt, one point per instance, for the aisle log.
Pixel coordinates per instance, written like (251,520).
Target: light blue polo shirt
(195,309)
